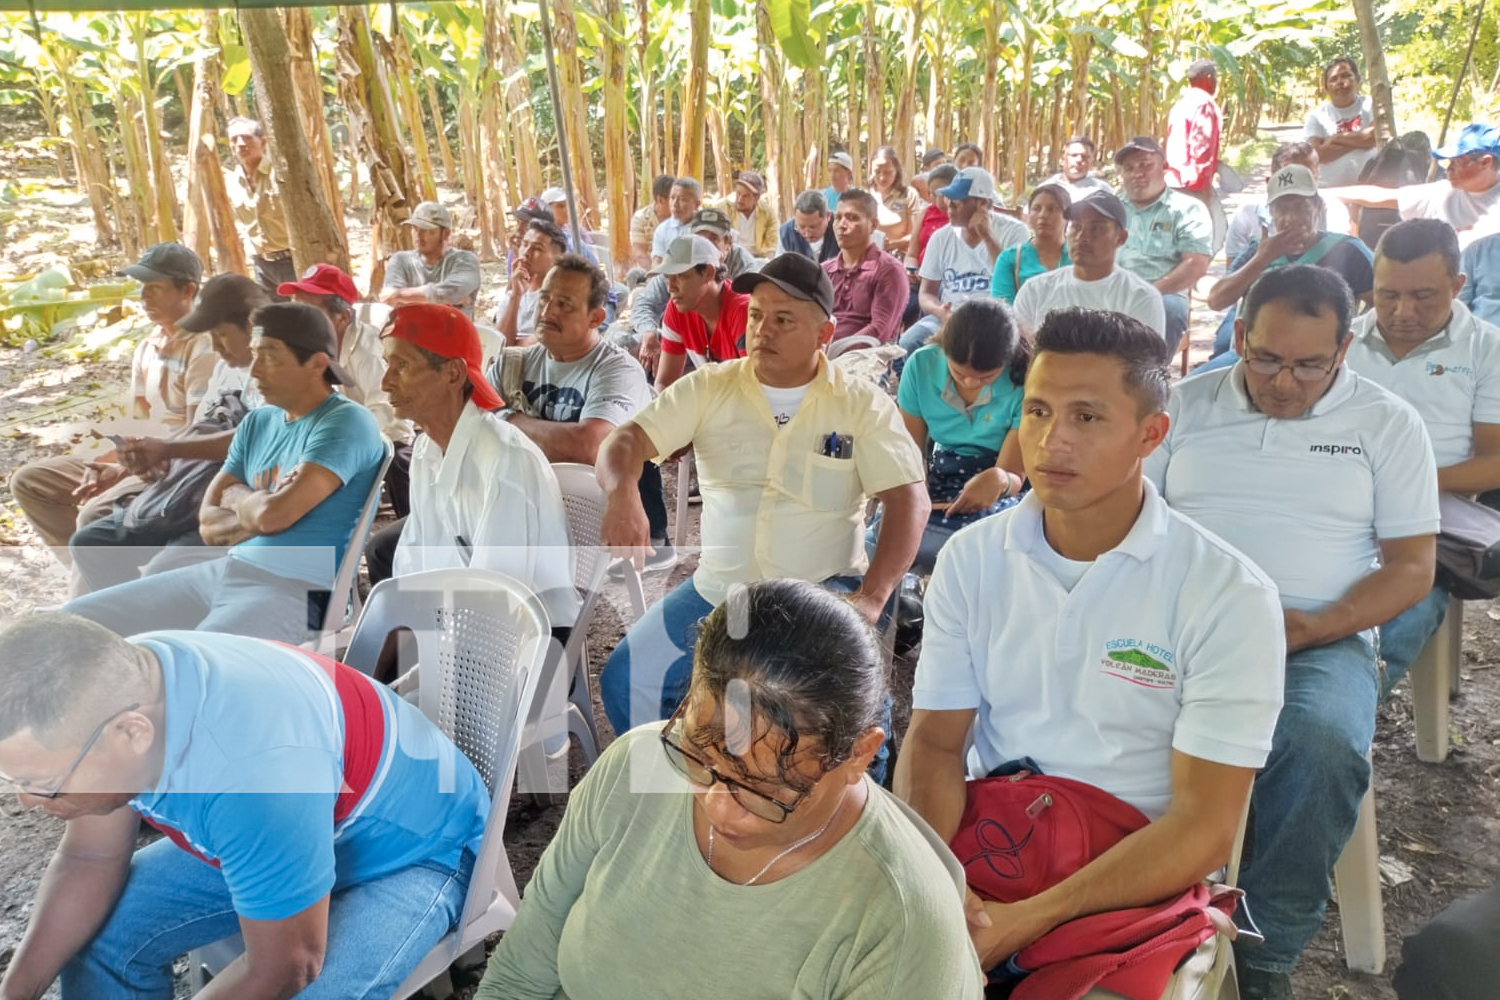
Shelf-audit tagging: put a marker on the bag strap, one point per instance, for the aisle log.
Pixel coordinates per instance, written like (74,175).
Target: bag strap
(1315,253)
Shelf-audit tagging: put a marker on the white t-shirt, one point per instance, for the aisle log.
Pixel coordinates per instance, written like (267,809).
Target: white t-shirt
(1170,641)
(1438,200)
(1326,121)
(1122,291)
(784,403)
(1452,380)
(666,231)
(1082,189)
(490,502)
(1308,499)
(964,272)
(226,380)
(525,312)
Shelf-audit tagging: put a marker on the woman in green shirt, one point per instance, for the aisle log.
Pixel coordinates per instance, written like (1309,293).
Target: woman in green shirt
(739,849)
(1046,250)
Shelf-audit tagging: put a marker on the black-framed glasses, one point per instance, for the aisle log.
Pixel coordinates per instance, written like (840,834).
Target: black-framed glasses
(699,772)
(1302,371)
(29,787)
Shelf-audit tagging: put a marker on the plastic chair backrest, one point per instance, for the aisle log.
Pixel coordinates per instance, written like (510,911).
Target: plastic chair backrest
(377,314)
(482,640)
(491,343)
(343,599)
(584,501)
(844,344)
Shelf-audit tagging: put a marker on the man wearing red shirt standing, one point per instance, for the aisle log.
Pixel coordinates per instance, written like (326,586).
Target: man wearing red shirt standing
(705,320)
(1193,133)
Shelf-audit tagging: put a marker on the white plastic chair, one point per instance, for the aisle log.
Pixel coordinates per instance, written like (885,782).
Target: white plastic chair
(377,314)
(846,344)
(685,466)
(1434,679)
(343,599)
(491,343)
(482,639)
(1357,878)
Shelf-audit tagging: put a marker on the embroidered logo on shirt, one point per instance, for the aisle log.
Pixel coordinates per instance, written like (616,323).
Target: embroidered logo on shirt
(1434,369)
(1336,449)
(1139,662)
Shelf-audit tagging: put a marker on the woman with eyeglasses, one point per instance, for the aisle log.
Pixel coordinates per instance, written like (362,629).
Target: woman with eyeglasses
(961,394)
(739,849)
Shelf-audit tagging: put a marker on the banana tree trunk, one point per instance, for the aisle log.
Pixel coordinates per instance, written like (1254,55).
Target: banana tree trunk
(695,103)
(93,169)
(719,142)
(364,92)
(208,220)
(163,189)
(308,87)
(575,107)
(988,139)
(137,231)
(854,146)
(521,121)
(777,184)
(403,72)
(1145,117)
(1375,71)
(493,177)
(616,148)
(311,230)
(440,132)
(874,118)
(1020,138)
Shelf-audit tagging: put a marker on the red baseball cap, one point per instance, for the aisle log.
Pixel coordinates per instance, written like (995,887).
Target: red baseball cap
(448,333)
(322,279)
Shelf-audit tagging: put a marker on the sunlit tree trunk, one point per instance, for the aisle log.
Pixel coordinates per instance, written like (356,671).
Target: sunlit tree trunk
(853,140)
(695,101)
(575,107)
(364,93)
(404,71)
(518,99)
(616,141)
(1375,71)
(163,189)
(440,132)
(1020,139)
(1145,118)
(311,230)
(988,139)
(651,157)
(874,117)
(93,169)
(308,88)
(777,183)
(208,220)
(137,230)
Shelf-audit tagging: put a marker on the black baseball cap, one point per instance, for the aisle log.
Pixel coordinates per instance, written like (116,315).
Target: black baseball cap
(1106,203)
(163,262)
(224,298)
(1143,143)
(297,324)
(800,277)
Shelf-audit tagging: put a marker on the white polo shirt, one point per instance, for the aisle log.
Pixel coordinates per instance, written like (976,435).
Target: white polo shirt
(1170,641)
(1452,380)
(1120,291)
(490,502)
(1308,499)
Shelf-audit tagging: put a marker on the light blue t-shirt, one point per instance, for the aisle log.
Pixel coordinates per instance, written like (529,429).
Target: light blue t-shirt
(927,391)
(1481,293)
(339,435)
(1003,284)
(255,758)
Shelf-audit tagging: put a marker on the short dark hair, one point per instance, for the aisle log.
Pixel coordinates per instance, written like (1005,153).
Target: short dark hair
(1084,141)
(1200,68)
(56,668)
(1406,241)
(982,334)
(1289,152)
(1338,61)
(304,355)
(863,200)
(335,305)
(812,201)
(1140,350)
(572,263)
(939,176)
(662,186)
(969,147)
(1308,289)
(808,660)
(552,231)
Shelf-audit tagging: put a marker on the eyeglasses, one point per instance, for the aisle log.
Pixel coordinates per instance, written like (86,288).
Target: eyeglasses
(1302,371)
(29,787)
(698,771)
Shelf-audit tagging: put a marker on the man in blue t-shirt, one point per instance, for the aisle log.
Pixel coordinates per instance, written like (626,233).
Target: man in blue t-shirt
(305,807)
(285,503)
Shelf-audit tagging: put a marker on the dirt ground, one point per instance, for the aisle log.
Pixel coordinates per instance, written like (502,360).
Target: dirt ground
(1440,823)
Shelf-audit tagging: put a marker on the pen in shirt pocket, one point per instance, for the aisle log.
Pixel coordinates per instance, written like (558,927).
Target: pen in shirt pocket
(837,445)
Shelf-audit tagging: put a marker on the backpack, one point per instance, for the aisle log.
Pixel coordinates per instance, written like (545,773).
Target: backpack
(170,503)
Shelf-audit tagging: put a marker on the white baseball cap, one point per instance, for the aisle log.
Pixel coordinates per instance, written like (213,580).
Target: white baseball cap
(1293,178)
(971,182)
(553,195)
(686,253)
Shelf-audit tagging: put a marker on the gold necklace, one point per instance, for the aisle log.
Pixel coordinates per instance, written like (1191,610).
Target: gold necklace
(767,867)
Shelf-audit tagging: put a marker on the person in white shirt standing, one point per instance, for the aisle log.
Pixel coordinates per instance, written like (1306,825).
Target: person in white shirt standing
(1342,129)
(1425,346)
(1327,482)
(1099,633)
(482,493)
(1096,232)
(960,257)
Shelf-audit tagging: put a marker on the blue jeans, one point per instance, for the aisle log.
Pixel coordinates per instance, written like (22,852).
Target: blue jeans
(1224,360)
(1306,799)
(226,595)
(647,675)
(1402,638)
(1176,307)
(378,931)
(915,336)
(1224,336)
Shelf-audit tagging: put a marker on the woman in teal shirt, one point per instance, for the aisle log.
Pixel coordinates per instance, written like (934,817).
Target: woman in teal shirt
(962,393)
(1046,250)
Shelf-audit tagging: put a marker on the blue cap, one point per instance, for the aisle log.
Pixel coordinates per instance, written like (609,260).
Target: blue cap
(1475,138)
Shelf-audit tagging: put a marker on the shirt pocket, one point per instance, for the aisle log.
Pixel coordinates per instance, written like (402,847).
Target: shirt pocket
(831,484)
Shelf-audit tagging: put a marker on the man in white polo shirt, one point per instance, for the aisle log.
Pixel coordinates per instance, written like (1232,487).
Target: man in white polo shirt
(788,451)
(1327,481)
(1100,633)
(1096,232)
(960,258)
(1425,346)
